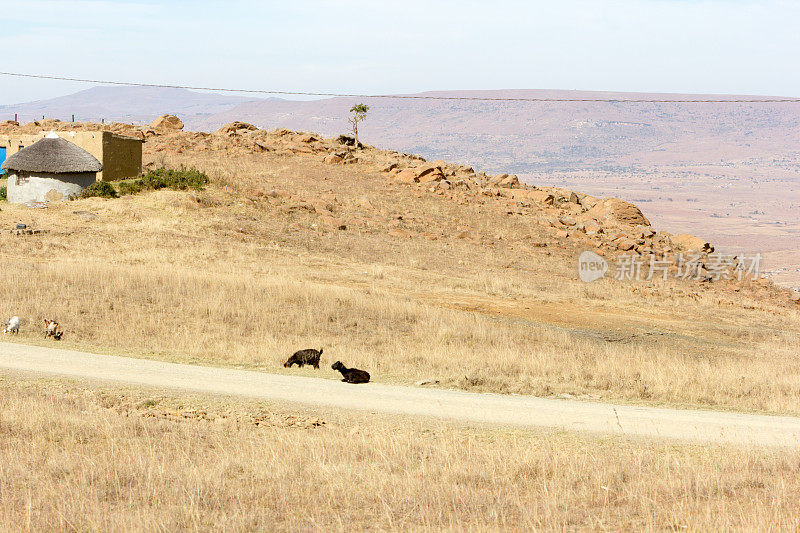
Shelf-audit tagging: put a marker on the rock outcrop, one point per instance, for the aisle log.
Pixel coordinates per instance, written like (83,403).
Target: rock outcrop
(616,212)
(690,243)
(167,123)
(235,127)
(610,226)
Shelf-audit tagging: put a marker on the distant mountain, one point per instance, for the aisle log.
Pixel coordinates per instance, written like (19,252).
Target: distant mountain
(125,104)
(532,136)
(519,137)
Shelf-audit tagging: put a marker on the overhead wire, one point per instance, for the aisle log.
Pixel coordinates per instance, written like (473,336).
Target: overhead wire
(408,96)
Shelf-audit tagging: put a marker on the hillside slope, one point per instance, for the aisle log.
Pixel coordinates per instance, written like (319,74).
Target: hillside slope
(409,268)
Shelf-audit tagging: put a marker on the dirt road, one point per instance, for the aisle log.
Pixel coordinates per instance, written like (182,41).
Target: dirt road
(515,411)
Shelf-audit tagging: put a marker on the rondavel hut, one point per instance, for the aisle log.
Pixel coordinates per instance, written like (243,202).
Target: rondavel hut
(50,169)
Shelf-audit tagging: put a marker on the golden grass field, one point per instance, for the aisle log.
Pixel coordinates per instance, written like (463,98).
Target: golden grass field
(92,458)
(456,290)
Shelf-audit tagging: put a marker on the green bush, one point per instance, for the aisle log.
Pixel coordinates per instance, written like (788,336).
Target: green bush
(169,178)
(160,178)
(3,193)
(166,178)
(99,189)
(130,187)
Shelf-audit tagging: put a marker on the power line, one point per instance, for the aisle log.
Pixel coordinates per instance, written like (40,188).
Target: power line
(409,97)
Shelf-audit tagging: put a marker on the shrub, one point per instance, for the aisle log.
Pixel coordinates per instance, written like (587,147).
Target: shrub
(160,178)
(177,179)
(3,193)
(99,189)
(166,178)
(130,187)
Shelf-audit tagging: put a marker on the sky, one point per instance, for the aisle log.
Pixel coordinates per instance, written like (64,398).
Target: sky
(387,46)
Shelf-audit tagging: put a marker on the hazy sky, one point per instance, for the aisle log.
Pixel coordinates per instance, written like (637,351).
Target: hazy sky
(698,46)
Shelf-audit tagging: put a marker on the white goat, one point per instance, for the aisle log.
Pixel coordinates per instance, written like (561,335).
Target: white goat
(12,326)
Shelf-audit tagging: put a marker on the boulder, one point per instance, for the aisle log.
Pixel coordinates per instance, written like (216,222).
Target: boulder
(307,138)
(331,222)
(541,197)
(465,183)
(592,228)
(552,221)
(690,243)
(613,211)
(429,173)
(332,159)
(588,201)
(625,245)
(262,146)
(408,175)
(235,127)
(299,148)
(167,123)
(510,182)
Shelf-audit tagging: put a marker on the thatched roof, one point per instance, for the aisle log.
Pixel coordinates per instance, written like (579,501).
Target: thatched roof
(53,155)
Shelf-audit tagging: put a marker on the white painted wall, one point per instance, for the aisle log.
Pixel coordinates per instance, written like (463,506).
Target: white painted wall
(43,187)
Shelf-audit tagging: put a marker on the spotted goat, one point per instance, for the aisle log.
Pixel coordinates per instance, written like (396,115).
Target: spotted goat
(52,329)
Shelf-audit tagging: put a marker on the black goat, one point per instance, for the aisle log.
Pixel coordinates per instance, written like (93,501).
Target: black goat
(351,375)
(304,357)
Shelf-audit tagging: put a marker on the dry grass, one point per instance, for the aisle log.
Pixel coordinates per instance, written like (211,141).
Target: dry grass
(93,459)
(235,278)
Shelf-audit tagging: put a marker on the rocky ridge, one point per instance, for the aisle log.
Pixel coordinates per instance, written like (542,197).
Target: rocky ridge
(609,226)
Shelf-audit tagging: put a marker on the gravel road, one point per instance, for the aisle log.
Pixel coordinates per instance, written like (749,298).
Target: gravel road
(512,411)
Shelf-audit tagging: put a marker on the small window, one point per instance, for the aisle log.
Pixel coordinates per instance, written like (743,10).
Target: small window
(21,179)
